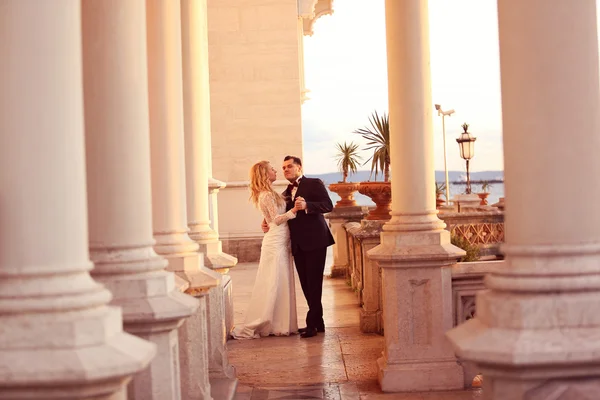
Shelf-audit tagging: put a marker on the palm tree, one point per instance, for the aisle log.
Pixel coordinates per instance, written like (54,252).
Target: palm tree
(347,158)
(378,140)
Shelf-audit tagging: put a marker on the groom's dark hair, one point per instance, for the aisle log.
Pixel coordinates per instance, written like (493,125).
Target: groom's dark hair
(297,160)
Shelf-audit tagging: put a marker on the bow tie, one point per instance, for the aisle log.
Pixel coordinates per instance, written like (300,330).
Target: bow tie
(292,185)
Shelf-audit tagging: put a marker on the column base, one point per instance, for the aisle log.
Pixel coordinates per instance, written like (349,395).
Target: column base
(339,271)
(419,376)
(223,388)
(219,320)
(532,359)
(228,302)
(371,321)
(156,319)
(219,366)
(76,355)
(193,354)
(215,258)
(355,282)
(161,380)
(417,304)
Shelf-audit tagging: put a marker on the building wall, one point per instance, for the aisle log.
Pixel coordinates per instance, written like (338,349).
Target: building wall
(255,100)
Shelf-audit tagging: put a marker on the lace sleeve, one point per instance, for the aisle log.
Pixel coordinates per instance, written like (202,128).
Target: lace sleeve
(268,207)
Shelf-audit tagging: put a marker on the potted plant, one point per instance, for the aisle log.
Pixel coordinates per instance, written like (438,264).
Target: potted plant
(377,136)
(440,190)
(348,160)
(485,192)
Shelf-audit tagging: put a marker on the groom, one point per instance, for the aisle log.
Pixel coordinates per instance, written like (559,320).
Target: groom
(310,237)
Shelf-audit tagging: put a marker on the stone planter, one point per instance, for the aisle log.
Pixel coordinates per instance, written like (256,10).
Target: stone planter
(346,191)
(483,196)
(381,194)
(439,202)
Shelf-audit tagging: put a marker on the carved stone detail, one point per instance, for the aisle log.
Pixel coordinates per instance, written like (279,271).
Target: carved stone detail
(468,308)
(480,233)
(306,8)
(323,7)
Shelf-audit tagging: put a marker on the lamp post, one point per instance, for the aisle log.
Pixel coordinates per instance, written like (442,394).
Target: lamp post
(466,143)
(443,115)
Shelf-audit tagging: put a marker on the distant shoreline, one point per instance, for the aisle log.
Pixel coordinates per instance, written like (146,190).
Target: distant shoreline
(477,182)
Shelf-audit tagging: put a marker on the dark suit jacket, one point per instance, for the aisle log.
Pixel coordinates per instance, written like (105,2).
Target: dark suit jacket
(309,230)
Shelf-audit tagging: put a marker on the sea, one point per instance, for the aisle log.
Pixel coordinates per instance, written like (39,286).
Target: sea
(496,191)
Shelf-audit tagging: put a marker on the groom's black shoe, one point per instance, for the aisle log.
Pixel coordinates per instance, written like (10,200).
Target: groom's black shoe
(308,332)
(320,330)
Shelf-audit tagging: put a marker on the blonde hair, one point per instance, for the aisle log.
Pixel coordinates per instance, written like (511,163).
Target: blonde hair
(259,182)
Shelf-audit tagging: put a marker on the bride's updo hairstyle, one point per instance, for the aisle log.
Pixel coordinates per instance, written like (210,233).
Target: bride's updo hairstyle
(259,182)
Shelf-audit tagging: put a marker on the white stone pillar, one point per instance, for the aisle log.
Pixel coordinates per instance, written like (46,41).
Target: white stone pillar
(415,251)
(196,101)
(58,337)
(166,136)
(169,176)
(540,311)
(196,104)
(118,169)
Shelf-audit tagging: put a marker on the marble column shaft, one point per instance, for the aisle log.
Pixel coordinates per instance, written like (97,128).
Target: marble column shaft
(196,95)
(118,170)
(540,311)
(415,251)
(169,181)
(58,336)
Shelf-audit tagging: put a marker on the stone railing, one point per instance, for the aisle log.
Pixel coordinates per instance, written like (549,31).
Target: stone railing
(484,229)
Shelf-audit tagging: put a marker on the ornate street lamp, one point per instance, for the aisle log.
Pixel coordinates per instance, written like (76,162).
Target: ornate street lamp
(466,143)
(444,114)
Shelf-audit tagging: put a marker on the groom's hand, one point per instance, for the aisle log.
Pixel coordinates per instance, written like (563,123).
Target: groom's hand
(300,203)
(264,226)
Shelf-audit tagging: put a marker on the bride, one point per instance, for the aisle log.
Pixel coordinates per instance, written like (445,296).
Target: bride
(272,308)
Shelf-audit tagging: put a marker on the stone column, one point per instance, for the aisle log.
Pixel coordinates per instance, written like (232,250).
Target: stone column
(58,336)
(168,177)
(337,219)
(540,311)
(415,251)
(118,171)
(196,104)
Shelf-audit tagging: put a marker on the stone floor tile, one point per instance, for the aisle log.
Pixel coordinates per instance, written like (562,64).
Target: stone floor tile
(369,349)
(349,391)
(243,392)
(242,396)
(332,392)
(369,386)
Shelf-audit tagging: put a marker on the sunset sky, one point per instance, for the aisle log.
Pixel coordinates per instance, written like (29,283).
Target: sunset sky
(346,73)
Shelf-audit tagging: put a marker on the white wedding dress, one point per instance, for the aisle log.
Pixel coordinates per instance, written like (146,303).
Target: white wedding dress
(272,308)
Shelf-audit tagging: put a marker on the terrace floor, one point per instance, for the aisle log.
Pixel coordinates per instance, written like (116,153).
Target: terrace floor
(337,365)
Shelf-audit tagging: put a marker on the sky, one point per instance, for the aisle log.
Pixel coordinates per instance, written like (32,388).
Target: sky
(346,73)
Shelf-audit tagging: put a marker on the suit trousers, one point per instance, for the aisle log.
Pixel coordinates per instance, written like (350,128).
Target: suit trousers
(310,266)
